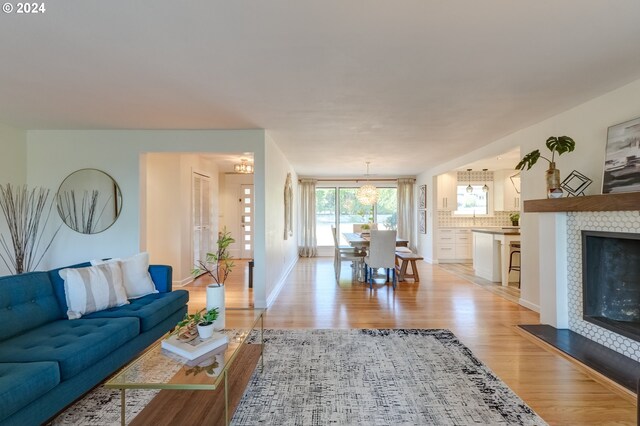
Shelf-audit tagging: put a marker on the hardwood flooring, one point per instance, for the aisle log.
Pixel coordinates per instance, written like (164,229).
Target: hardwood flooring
(557,390)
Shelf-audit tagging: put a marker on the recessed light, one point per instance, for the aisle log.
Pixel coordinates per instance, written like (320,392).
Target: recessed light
(498,158)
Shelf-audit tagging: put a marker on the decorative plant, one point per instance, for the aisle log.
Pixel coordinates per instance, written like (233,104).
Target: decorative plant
(23,210)
(217,265)
(555,144)
(365,227)
(189,322)
(515,217)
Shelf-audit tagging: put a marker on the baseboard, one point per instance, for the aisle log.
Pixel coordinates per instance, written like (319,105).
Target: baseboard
(182,283)
(276,291)
(527,304)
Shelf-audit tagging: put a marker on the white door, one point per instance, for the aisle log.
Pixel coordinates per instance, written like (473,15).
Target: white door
(246,221)
(201,208)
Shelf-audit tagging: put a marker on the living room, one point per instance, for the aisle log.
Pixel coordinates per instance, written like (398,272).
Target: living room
(44,136)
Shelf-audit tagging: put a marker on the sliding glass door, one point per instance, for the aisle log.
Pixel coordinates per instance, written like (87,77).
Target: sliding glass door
(339,206)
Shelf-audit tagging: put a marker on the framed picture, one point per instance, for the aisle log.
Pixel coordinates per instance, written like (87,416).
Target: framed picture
(422,197)
(622,159)
(422,221)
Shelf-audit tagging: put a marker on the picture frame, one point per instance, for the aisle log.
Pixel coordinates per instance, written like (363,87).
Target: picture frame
(622,158)
(422,221)
(422,198)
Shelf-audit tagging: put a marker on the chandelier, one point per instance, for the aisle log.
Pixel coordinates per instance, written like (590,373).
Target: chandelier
(469,187)
(367,194)
(485,188)
(243,167)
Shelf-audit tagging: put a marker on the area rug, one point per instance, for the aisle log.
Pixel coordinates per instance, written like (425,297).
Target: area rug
(353,377)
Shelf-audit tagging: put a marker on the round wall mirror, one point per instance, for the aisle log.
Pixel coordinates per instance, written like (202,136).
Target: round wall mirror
(89,201)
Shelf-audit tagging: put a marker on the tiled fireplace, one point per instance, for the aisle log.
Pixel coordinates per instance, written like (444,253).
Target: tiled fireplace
(618,234)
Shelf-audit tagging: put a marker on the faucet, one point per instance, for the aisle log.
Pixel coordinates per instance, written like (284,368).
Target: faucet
(474,217)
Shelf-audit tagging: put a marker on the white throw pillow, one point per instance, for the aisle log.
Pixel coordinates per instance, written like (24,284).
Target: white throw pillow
(135,273)
(93,289)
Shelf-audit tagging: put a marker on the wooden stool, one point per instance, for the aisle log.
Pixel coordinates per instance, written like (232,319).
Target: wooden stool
(405,259)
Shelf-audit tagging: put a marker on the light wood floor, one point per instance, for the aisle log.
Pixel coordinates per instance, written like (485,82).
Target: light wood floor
(483,321)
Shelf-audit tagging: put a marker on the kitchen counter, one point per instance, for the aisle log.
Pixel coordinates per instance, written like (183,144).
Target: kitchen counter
(498,231)
(491,250)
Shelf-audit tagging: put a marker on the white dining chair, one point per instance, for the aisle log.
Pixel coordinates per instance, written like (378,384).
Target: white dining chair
(345,253)
(382,254)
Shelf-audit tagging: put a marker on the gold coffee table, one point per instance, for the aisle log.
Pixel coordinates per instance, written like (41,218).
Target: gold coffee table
(159,369)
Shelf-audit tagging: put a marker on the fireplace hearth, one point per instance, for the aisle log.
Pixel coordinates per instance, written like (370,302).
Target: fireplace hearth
(611,281)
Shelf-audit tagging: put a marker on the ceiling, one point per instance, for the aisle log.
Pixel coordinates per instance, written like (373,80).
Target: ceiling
(404,84)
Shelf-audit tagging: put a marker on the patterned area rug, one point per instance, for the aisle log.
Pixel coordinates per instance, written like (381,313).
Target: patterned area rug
(352,377)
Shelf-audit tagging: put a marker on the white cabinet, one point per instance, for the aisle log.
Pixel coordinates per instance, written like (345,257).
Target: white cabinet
(454,245)
(506,198)
(446,188)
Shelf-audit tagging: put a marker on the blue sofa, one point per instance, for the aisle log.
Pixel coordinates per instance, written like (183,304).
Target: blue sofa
(48,361)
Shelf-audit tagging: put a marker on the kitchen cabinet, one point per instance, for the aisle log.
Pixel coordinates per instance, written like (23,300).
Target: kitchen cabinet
(506,198)
(454,245)
(447,191)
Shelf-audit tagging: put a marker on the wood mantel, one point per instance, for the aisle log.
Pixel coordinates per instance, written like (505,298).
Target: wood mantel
(589,203)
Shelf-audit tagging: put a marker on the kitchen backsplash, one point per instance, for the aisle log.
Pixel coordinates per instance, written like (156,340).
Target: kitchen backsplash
(447,220)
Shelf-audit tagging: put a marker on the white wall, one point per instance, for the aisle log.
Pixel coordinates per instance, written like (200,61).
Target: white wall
(52,155)
(281,254)
(168,219)
(13,168)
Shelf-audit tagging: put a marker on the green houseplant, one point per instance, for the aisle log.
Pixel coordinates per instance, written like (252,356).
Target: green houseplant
(217,265)
(555,144)
(202,321)
(515,218)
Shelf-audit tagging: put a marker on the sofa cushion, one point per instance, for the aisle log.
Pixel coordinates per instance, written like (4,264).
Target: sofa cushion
(93,288)
(26,302)
(58,286)
(76,345)
(151,309)
(22,383)
(135,274)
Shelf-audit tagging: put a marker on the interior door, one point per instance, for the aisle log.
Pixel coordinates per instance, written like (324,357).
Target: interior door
(201,208)
(246,221)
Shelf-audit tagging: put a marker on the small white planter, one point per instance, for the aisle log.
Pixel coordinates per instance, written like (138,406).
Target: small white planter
(205,331)
(215,299)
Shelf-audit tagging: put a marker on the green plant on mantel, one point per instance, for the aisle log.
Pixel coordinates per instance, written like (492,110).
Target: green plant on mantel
(555,144)
(514,217)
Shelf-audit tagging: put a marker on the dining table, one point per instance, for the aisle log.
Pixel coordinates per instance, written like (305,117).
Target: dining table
(362,241)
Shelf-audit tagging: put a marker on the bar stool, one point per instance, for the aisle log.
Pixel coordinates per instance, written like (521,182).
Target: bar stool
(514,248)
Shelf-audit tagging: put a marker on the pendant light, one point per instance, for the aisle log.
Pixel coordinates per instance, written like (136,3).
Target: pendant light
(469,187)
(367,194)
(485,188)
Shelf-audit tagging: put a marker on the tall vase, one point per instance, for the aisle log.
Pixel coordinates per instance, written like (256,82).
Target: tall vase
(553,182)
(215,299)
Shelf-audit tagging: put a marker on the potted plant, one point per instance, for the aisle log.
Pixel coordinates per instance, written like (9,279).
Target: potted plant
(202,321)
(555,144)
(515,218)
(217,265)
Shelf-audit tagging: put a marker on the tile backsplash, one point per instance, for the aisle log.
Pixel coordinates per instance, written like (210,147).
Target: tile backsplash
(447,220)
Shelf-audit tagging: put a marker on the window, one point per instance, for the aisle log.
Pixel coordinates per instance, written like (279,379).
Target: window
(472,203)
(340,207)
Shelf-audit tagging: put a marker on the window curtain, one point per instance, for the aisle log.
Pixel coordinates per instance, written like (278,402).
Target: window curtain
(406,211)
(307,245)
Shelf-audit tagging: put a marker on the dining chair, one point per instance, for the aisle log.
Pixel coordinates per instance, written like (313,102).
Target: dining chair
(382,254)
(345,253)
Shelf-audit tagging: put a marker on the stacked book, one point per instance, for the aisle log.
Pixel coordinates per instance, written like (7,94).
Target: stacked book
(192,349)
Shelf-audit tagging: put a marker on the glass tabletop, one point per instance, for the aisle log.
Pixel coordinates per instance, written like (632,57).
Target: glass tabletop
(158,368)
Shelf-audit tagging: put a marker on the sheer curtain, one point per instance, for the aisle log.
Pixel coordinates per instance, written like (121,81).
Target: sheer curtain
(307,245)
(406,212)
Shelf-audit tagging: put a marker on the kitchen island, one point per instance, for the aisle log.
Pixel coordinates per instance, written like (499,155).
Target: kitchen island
(491,250)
